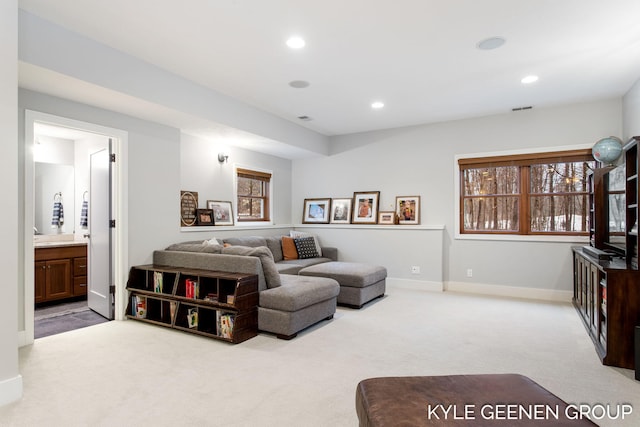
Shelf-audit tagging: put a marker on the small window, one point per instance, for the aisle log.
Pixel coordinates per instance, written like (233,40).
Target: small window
(253,195)
(541,193)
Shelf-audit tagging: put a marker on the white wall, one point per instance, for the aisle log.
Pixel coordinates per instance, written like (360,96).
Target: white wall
(200,171)
(631,118)
(10,379)
(419,160)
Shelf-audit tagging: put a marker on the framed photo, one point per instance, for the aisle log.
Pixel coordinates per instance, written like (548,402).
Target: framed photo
(408,208)
(204,217)
(386,217)
(316,211)
(188,206)
(222,212)
(365,207)
(341,211)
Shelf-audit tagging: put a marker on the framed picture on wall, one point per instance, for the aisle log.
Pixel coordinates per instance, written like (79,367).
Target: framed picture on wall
(222,212)
(316,211)
(204,217)
(365,207)
(386,217)
(408,208)
(340,211)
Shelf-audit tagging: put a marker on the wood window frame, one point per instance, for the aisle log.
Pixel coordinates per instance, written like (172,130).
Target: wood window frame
(265,177)
(524,161)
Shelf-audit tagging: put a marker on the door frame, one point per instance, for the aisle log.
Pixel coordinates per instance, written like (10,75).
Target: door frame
(119,199)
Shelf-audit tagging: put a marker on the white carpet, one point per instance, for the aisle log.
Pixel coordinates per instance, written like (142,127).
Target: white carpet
(134,374)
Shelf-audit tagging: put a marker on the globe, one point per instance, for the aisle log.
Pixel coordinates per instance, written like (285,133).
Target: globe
(607,150)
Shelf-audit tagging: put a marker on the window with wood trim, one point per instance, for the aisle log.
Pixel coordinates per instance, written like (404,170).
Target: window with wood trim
(253,195)
(525,194)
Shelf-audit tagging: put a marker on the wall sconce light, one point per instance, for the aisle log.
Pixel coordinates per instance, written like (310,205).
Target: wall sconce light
(222,157)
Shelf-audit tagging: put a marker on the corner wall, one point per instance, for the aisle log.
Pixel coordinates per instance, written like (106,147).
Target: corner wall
(419,160)
(631,117)
(10,379)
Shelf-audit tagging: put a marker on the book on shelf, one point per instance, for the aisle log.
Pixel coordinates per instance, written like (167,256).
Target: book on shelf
(231,299)
(157,282)
(172,309)
(191,288)
(226,325)
(211,297)
(139,306)
(192,317)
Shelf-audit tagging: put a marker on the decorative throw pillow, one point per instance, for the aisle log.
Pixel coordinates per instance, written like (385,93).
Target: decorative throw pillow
(289,250)
(271,275)
(296,234)
(306,247)
(212,241)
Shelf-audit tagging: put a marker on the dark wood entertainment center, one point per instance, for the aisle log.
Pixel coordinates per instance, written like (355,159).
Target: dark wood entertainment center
(606,280)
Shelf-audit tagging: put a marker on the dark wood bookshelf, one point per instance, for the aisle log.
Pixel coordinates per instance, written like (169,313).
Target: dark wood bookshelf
(214,304)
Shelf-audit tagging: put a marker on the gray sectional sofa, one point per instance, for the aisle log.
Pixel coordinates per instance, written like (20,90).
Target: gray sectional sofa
(288,303)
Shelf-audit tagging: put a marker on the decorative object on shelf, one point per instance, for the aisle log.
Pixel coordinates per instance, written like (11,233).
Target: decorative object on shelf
(316,211)
(607,150)
(365,207)
(205,217)
(188,206)
(222,157)
(387,218)
(341,211)
(408,209)
(222,212)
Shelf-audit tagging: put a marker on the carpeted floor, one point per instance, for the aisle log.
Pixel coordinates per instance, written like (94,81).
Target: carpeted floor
(64,318)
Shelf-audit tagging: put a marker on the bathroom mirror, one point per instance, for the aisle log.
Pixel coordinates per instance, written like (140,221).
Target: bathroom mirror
(54,183)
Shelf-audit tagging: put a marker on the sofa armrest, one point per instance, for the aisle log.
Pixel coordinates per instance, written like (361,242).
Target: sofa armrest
(331,253)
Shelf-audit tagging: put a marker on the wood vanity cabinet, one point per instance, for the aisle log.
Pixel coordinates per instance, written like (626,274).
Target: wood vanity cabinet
(60,272)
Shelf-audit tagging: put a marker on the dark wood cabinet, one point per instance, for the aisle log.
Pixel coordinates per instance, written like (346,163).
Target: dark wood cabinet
(214,304)
(606,294)
(60,273)
(606,280)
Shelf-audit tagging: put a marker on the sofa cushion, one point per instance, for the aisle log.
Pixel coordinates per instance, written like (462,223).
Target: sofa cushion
(274,243)
(306,247)
(298,292)
(289,250)
(352,274)
(271,274)
(296,234)
(195,246)
(251,241)
(293,266)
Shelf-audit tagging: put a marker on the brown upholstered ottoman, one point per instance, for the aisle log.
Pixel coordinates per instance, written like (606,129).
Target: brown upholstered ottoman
(507,400)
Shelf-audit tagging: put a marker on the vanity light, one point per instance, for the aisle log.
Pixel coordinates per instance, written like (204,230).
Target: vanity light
(222,157)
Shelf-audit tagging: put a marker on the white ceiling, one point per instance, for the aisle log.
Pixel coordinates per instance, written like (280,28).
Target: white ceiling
(417,56)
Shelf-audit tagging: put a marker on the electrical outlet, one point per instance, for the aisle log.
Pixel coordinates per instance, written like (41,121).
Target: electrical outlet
(469,272)
(415,269)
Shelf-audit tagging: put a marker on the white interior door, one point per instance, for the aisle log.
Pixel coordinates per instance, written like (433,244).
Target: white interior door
(99,295)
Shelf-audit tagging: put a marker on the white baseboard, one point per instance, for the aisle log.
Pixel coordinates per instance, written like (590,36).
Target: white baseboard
(422,285)
(510,291)
(10,390)
(22,339)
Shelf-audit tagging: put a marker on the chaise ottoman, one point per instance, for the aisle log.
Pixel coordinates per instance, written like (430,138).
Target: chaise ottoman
(359,283)
(462,400)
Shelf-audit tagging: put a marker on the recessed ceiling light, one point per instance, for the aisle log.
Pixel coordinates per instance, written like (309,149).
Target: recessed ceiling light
(296,42)
(491,43)
(529,79)
(299,84)
(377,105)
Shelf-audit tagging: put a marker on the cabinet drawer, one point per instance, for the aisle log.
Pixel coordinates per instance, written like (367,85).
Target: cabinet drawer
(80,266)
(79,286)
